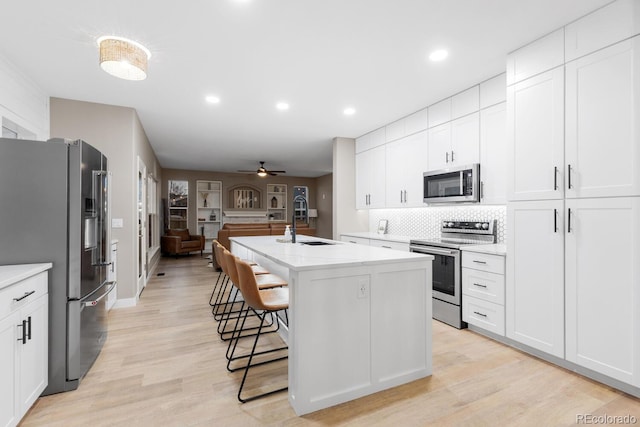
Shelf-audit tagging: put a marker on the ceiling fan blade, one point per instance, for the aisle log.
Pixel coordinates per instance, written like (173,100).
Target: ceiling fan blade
(246,171)
(278,171)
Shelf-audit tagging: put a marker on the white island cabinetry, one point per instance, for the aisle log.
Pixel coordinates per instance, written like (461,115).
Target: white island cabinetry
(378,333)
(24,338)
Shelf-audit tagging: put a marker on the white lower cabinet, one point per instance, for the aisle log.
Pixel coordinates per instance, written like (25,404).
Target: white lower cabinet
(24,343)
(381,243)
(573,282)
(389,245)
(483,291)
(603,286)
(535,275)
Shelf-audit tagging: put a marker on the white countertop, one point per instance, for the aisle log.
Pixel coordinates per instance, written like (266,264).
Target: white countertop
(371,235)
(491,249)
(340,254)
(10,274)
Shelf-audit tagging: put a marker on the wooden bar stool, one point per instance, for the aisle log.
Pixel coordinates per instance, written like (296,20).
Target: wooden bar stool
(262,302)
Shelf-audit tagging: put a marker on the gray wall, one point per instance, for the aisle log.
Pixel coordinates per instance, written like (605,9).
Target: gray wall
(117,132)
(324,204)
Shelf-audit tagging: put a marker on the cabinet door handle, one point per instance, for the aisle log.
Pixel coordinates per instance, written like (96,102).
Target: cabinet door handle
(569,221)
(479,285)
(479,314)
(400,196)
(26,294)
(29,328)
(555,178)
(447,156)
(479,262)
(452,158)
(569,176)
(388,247)
(481,190)
(24,332)
(555,220)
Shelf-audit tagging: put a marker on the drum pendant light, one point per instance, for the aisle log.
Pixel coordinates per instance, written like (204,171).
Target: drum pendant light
(123,58)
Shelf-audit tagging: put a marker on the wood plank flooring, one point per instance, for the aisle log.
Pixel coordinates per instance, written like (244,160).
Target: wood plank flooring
(163,365)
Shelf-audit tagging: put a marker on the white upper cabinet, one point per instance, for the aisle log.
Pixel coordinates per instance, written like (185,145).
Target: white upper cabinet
(535,275)
(610,24)
(394,130)
(535,137)
(406,161)
(370,178)
(602,285)
(493,91)
(439,113)
(465,140)
(455,143)
(535,58)
(409,125)
(602,119)
(416,122)
(466,102)
(370,140)
(439,146)
(493,154)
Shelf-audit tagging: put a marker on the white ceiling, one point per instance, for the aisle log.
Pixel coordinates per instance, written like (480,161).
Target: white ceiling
(318,55)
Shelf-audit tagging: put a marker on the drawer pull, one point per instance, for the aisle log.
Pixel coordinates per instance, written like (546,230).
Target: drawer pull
(479,314)
(26,294)
(479,262)
(480,286)
(388,247)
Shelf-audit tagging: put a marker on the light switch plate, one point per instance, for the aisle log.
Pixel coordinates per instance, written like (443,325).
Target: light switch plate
(117,223)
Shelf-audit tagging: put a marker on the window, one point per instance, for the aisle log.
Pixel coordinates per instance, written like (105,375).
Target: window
(178,204)
(153,222)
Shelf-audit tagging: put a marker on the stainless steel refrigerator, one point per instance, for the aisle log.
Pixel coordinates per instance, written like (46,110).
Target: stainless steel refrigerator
(54,207)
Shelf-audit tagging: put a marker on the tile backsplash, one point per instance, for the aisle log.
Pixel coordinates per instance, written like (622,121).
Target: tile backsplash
(425,222)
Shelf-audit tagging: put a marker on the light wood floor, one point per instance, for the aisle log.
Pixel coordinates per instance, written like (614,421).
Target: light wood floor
(163,365)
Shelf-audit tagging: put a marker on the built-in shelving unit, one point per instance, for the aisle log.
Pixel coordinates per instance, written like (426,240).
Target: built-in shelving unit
(277,202)
(209,208)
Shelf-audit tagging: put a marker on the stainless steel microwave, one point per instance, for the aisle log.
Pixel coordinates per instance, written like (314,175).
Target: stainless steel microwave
(453,185)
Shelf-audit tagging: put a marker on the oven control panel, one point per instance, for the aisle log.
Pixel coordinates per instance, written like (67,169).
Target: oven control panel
(471,227)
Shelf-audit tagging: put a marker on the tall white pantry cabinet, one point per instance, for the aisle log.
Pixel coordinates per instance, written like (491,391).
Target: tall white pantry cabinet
(573,263)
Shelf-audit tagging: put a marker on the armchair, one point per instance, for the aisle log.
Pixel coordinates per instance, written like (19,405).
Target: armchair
(179,241)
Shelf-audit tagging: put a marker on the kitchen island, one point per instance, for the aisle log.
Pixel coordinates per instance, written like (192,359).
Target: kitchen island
(359,316)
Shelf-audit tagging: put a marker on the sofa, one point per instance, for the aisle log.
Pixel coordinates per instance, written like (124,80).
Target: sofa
(179,241)
(258,229)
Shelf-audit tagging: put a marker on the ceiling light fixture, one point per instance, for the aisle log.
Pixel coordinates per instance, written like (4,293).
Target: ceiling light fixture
(123,58)
(349,111)
(212,99)
(282,106)
(438,55)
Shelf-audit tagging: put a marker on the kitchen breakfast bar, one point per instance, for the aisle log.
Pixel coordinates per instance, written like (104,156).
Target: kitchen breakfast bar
(359,316)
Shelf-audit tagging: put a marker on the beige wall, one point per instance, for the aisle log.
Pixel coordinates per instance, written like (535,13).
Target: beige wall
(232,179)
(345,215)
(117,132)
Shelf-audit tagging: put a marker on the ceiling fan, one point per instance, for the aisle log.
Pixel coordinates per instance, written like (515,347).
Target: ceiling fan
(262,171)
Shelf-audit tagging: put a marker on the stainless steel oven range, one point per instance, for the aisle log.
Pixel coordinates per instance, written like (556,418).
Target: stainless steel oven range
(447,272)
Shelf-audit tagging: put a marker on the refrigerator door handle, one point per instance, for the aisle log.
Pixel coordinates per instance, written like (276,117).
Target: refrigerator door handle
(95,302)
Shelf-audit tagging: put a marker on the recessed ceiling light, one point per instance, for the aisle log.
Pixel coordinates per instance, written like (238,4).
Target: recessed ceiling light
(282,106)
(349,111)
(212,99)
(438,55)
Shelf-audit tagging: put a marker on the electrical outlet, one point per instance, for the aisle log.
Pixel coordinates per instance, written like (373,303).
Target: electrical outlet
(363,288)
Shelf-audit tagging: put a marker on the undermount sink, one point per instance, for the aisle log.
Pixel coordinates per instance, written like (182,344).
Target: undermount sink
(316,243)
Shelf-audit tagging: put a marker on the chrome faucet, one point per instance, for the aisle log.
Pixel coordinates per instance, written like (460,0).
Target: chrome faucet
(293,216)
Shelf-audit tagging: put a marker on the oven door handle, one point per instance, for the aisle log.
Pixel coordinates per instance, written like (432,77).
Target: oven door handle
(430,250)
